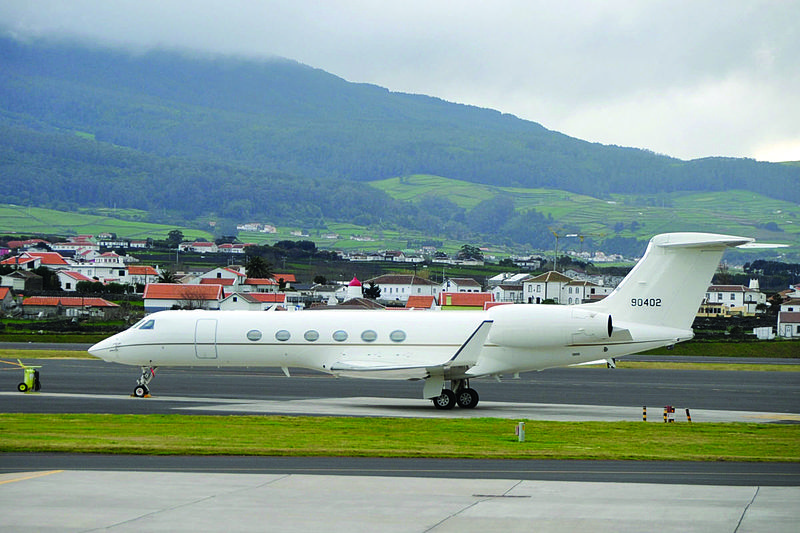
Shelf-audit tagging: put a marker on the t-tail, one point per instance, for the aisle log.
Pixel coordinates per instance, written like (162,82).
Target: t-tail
(667,286)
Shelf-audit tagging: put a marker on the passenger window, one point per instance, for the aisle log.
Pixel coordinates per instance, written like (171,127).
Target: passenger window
(369,336)
(311,335)
(254,335)
(150,324)
(283,335)
(340,336)
(398,335)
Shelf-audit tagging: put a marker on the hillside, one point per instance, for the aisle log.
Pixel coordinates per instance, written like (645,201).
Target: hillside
(194,139)
(626,216)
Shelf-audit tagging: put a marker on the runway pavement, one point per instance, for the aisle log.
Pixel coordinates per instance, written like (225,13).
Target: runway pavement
(96,386)
(69,500)
(124,493)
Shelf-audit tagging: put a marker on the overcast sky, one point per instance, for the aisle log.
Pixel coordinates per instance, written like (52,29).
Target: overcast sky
(683,78)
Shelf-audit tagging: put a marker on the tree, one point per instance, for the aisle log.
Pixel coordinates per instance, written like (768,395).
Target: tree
(258,267)
(373,292)
(50,280)
(470,252)
(174,238)
(167,276)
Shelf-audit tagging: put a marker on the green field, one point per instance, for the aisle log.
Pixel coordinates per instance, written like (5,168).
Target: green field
(378,239)
(395,437)
(31,220)
(734,212)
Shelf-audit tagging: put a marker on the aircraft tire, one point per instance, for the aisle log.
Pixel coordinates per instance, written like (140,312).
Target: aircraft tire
(467,398)
(446,400)
(22,387)
(140,391)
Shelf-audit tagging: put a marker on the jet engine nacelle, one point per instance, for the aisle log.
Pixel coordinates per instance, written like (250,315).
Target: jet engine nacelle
(528,325)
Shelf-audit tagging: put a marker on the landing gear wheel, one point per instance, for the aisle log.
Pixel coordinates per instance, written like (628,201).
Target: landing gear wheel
(446,400)
(467,398)
(140,391)
(22,387)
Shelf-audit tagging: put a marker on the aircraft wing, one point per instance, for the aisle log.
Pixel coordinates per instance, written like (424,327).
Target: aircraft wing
(465,357)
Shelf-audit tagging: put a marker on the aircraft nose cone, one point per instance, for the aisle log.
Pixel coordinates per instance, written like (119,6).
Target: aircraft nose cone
(102,349)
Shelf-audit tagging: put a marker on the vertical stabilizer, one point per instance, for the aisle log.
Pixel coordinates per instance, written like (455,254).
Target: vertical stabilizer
(666,287)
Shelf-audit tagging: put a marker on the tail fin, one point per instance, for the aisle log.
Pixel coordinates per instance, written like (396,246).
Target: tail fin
(667,285)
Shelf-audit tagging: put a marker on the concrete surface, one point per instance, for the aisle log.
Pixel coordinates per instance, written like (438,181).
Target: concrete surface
(67,501)
(399,407)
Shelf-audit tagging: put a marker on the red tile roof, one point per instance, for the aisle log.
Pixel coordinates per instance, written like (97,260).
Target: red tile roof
(4,292)
(226,282)
(421,302)
(288,278)
(142,271)
(70,301)
(17,260)
(468,299)
(260,281)
(49,258)
(176,291)
(77,276)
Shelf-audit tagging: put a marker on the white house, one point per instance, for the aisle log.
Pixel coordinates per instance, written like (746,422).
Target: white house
(251,301)
(399,287)
(461,285)
(547,286)
(232,277)
(199,247)
(738,299)
(507,278)
(508,293)
(581,291)
(789,319)
(69,279)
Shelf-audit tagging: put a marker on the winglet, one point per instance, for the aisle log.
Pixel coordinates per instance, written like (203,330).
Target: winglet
(467,354)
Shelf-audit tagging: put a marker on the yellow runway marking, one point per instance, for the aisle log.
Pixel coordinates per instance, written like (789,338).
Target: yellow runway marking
(776,416)
(26,477)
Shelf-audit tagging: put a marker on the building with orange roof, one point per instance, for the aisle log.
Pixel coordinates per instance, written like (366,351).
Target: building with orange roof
(260,285)
(252,301)
(69,279)
(34,260)
(142,274)
(70,306)
(163,296)
(464,300)
(7,299)
(421,302)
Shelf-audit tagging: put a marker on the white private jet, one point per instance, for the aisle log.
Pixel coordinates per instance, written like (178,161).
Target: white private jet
(653,306)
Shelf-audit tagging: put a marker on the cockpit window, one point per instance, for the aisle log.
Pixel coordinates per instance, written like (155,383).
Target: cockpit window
(150,324)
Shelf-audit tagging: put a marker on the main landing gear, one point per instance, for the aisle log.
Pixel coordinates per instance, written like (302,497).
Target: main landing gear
(141,390)
(461,394)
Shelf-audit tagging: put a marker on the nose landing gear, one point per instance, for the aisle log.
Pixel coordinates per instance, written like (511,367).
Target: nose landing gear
(141,390)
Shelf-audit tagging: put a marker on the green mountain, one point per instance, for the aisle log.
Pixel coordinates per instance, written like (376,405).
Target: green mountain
(194,138)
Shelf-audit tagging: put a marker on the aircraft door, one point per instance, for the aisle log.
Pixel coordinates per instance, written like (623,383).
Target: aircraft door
(205,338)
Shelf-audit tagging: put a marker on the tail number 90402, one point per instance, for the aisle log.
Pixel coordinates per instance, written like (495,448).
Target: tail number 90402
(645,302)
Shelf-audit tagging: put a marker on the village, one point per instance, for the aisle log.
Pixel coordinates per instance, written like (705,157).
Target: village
(88,260)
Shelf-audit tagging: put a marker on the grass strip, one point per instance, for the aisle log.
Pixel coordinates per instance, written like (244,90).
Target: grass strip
(391,437)
(774,348)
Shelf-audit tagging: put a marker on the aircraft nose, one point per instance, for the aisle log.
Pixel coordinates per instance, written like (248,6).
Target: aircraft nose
(103,349)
